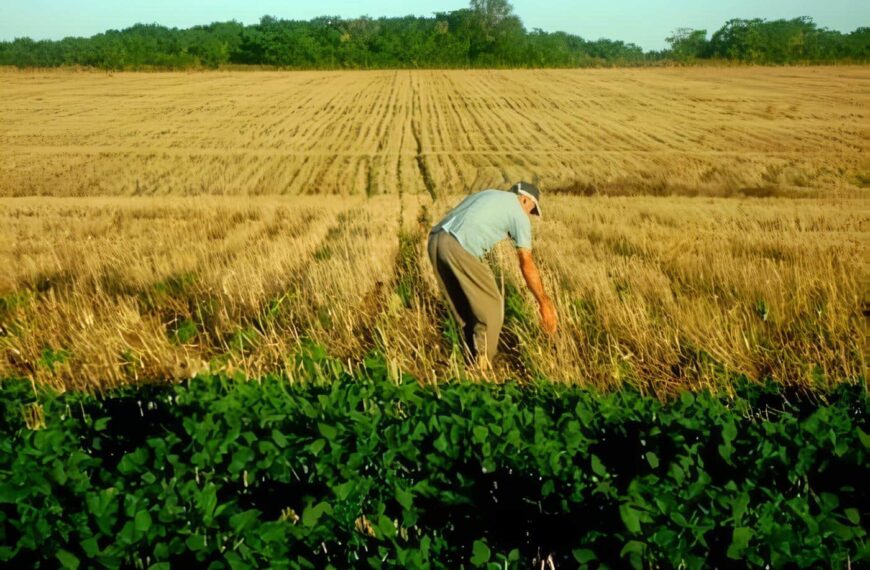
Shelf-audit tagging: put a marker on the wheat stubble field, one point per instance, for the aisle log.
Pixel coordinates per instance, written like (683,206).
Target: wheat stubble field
(698,222)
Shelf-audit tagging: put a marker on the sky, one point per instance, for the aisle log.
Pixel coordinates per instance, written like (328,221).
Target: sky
(644,22)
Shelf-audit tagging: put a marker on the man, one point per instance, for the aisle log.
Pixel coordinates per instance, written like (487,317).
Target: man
(457,244)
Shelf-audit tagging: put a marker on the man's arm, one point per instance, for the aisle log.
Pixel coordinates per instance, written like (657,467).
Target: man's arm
(533,280)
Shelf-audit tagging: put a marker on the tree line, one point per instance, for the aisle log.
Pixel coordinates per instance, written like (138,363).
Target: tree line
(486,34)
(771,42)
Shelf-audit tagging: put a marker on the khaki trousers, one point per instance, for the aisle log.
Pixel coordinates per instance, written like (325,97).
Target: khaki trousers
(472,294)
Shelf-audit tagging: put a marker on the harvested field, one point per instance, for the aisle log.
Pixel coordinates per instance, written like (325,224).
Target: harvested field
(656,292)
(699,222)
(716,131)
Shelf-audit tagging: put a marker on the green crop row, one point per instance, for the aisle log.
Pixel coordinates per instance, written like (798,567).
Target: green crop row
(364,471)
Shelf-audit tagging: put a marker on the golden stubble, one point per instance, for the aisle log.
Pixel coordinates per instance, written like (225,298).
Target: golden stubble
(657,292)
(699,222)
(790,131)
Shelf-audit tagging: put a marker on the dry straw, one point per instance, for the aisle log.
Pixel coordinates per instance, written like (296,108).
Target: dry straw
(699,222)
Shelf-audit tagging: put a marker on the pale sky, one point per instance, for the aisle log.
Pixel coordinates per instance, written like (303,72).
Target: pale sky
(643,22)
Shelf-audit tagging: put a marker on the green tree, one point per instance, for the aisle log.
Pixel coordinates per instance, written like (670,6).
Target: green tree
(491,15)
(688,44)
(486,33)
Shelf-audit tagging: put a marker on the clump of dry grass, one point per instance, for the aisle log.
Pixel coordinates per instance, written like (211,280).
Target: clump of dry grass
(128,289)
(662,293)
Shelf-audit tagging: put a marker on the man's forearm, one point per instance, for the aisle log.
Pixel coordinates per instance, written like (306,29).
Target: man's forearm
(533,280)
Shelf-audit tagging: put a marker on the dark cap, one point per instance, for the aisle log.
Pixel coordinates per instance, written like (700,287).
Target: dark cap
(530,190)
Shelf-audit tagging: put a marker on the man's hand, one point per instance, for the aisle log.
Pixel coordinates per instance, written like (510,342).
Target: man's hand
(533,280)
(548,317)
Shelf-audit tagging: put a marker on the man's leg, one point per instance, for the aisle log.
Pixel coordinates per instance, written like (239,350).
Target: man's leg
(488,329)
(457,303)
(481,292)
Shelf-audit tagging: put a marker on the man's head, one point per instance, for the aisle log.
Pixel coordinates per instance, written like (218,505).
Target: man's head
(529,197)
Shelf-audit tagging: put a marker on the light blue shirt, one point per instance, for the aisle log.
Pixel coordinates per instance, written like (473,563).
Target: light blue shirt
(485,218)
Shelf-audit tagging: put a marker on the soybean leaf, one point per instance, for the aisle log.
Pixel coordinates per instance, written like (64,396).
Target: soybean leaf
(584,555)
(386,526)
(142,521)
(67,559)
(243,520)
(598,467)
(480,553)
(279,438)
(739,541)
(404,498)
(90,546)
(313,514)
(630,517)
(327,431)
(195,542)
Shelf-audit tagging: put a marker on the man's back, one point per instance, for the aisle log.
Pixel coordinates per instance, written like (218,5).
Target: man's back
(485,218)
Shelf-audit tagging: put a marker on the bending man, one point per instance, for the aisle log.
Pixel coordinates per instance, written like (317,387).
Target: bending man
(458,242)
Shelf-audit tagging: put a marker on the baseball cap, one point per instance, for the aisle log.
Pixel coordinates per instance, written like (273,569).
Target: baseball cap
(530,190)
